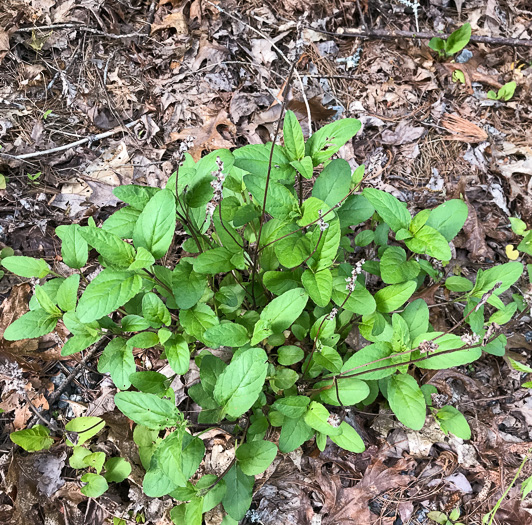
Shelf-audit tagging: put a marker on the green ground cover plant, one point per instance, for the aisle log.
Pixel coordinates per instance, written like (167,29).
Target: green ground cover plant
(274,275)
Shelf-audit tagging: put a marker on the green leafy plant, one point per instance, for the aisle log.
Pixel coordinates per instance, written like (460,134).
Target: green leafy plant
(32,177)
(77,432)
(505,93)
(442,519)
(454,44)
(274,278)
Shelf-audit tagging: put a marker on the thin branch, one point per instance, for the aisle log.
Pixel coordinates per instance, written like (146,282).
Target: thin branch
(352,32)
(78,27)
(90,139)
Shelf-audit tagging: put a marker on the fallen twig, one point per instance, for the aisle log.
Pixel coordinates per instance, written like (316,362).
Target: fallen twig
(78,27)
(351,32)
(91,138)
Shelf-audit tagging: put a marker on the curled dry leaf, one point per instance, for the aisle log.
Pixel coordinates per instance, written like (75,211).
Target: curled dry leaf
(175,20)
(207,137)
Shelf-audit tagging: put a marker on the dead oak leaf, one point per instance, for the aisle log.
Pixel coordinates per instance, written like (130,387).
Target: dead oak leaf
(207,137)
(343,505)
(175,20)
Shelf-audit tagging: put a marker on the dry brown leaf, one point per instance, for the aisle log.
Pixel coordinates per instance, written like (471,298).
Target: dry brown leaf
(4,44)
(343,505)
(462,129)
(207,137)
(476,236)
(175,20)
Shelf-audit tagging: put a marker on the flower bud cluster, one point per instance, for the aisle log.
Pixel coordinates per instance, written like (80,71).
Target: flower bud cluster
(470,339)
(321,223)
(428,346)
(217,185)
(351,281)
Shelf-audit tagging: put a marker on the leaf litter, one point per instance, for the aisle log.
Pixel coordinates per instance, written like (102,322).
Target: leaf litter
(190,78)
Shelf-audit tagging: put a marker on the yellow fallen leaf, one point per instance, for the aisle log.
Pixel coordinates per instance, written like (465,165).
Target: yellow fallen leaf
(511,253)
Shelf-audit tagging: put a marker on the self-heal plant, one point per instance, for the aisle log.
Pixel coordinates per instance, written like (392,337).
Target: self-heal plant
(276,280)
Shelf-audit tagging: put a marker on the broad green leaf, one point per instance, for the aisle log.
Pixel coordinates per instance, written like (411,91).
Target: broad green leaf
(136,196)
(280,313)
(280,202)
(51,287)
(85,428)
(395,269)
(436,43)
(150,382)
(177,353)
(45,302)
(294,142)
(169,457)
(255,457)
(32,439)
(330,138)
(318,285)
(392,211)
(134,323)
(78,343)
(95,486)
(117,359)
(289,355)
(26,266)
(192,454)
(349,439)
(429,241)
(326,249)
(416,315)
(407,401)
(189,513)
(155,226)
(31,325)
(393,297)
(356,363)
(240,384)
(79,453)
(154,310)
(122,222)
(360,301)
(281,281)
(458,284)
(294,432)
(450,360)
(143,340)
(292,406)
(452,420)
(112,248)
(349,389)
(187,285)
(520,367)
(526,487)
(156,483)
(328,357)
(318,418)
(503,315)
(67,293)
(401,340)
(304,166)
(333,183)
(355,210)
(227,334)
(237,498)
(147,441)
(117,470)
(74,248)
(109,290)
(526,244)
(147,409)
(448,218)
(255,158)
(458,39)
(143,259)
(215,494)
(217,260)
(507,274)
(95,461)
(292,250)
(197,320)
